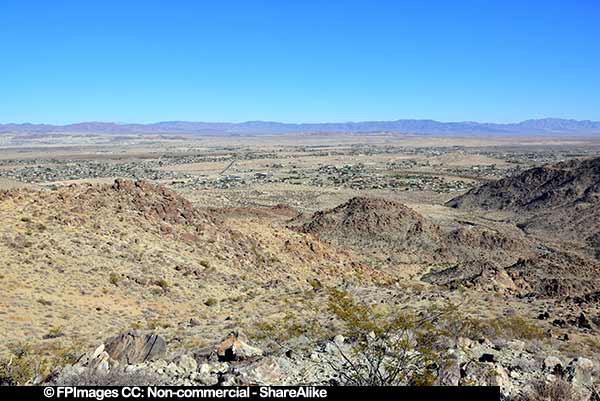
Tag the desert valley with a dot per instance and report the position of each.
(296, 259)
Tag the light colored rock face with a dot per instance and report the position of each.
(553, 364)
(136, 347)
(235, 348)
(580, 372)
(267, 371)
(187, 363)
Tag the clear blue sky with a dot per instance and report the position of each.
(298, 61)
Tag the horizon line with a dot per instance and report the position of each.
(299, 123)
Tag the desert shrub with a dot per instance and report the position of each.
(556, 390)
(20, 367)
(28, 365)
(92, 377)
(399, 348)
(210, 302)
(289, 327)
(315, 284)
(595, 396)
(155, 324)
(114, 279)
(513, 327)
(55, 332)
(162, 283)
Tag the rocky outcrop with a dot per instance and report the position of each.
(511, 365)
(559, 185)
(135, 347)
(235, 348)
(560, 202)
(369, 224)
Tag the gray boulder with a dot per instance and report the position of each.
(135, 347)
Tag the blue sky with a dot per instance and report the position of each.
(298, 61)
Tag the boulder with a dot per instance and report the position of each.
(583, 322)
(235, 348)
(339, 340)
(553, 365)
(98, 360)
(186, 363)
(266, 371)
(135, 347)
(579, 372)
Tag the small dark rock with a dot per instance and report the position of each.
(559, 323)
(487, 358)
(543, 316)
(583, 322)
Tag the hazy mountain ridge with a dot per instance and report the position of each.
(538, 126)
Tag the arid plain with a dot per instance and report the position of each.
(192, 238)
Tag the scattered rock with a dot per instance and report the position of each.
(543, 316)
(339, 339)
(553, 365)
(187, 363)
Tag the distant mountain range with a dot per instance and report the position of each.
(546, 126)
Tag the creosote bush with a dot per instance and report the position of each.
(398, 348)
(27, 365)
(556, 390)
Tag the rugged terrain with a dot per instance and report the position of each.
(558, 202)
(301, 255)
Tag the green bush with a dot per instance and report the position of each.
(210, 302)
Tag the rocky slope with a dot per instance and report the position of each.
(563, 199)
(514, 365)
(84, 259)
(467, 253)
(153, 284)
(376, 225)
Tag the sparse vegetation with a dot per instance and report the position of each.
(162, 283)
(513, 327)
(210, 302)
(555, 390)
(114, 279)
(28, 365)
(55, 332)
(394, 349)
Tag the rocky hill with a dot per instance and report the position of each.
(373, 223)
(86, 259)
(488, 256)
(563, 185)
(562, 198)
(153, 285)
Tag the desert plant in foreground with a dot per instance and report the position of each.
(556, 390)
(393, 349)
(28, 365)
